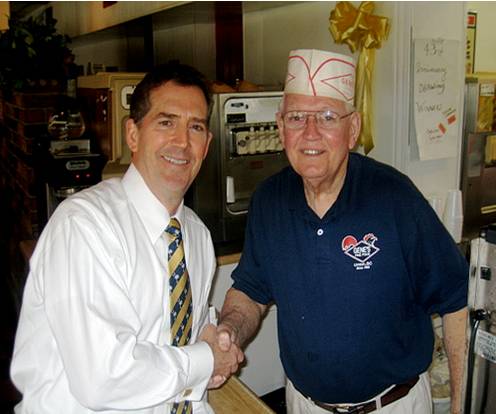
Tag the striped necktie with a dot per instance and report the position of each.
(181, 304)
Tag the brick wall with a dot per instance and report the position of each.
(23, 139)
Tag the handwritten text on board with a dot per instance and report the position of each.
(436, 97)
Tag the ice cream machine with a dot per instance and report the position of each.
(244, 151)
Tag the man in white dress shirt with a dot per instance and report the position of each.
(94, 329)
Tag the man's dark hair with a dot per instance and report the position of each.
(173, 71)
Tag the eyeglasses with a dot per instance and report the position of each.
(324, 119)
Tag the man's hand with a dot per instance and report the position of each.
(226, 336)
(226, 359)
(240, 318)
(216, 381)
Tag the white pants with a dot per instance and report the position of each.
(417, 401)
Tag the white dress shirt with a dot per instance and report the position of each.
(93, 333)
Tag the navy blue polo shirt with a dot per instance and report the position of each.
(355, 289)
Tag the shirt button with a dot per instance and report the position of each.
(320, 232)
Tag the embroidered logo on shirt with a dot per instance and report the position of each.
(360, 251)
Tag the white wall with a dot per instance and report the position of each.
(436, 177)
(485, 46)
(273, 29)
(391, 90)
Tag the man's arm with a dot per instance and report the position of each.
(239, 319)
(454, 332)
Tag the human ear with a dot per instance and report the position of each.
(132, 135)
(355, 127)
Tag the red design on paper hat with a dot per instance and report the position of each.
(320, 73)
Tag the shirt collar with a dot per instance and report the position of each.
(296, 195)
(151, 211)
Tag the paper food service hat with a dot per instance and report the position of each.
(320, 73)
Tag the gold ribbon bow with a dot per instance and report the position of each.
(365, 32)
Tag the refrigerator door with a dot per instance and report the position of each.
(482, 304)
(478, 172)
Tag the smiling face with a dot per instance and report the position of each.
(318, 155)
(171, 141)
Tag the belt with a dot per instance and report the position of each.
(394, 394)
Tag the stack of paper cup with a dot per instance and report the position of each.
(453, 214)
(436, 203)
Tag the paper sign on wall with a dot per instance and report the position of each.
(485, 345)
(436, 97)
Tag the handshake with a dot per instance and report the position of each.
(224, 343)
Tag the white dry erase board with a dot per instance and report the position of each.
(436, 95)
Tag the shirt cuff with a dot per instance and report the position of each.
(201, 367)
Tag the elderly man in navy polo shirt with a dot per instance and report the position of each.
(354, 258)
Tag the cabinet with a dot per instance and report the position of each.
(80, 18)
(206, 35)
(263, 371)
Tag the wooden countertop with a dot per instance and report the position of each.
(228, 259)
(236, 397)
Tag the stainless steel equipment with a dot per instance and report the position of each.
(478, 178)
(244, 151)
(69, 166)
(480, 395)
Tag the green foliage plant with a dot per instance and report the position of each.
(32, 54)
